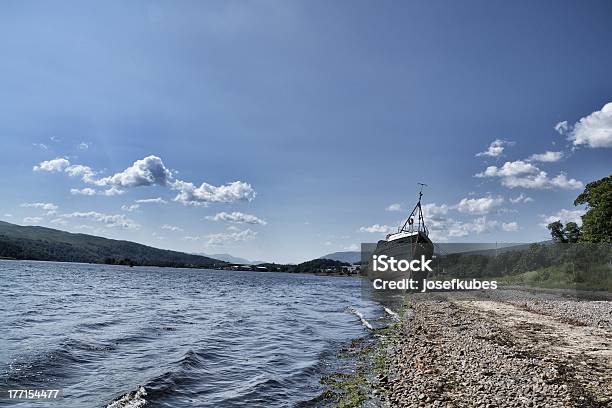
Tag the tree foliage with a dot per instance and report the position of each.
(597, 222)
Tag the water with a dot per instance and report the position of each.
(113, 336)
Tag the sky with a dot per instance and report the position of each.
(286, 130)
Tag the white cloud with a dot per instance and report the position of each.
(328, 243)
(84, 191)
(521, 198)
(149, 171)
(547, 157)
(509, 169)
(32, 220)
(510, 226)
(562, 127)
(523, 174)
(50, 208)
(84, 145)
(113, 191)
(564, 216)
(54, 165)
(40, 146)
(130, 208)
(110, 220)
(394, 207)
(479, 206)
(192, 238)
(206, 193)
(223, 238)
(157, 200)
(59, 221)
(443, 228)
(8, 215)
(594, 130)
(85, 172)
(352, 247)
(377, 229)
(432, 209)
(495, 149)
(171, 228)
(237, 217)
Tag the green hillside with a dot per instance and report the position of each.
(40, 243)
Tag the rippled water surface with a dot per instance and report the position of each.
(113, 336)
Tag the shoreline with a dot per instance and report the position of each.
(510, 349)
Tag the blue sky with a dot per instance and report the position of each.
(321, 114)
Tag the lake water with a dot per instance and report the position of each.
(112, 336)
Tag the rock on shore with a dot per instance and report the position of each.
(502, 352)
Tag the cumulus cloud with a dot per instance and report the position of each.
(113, 191)
(157, 200)
(84, 145)
(54, 165)
(564, 216)
(110, 220)
(594, 130)
(509, 169)
(479, 206)
(523, 174)
(85, 172)
(224, 237)
(188, 194)
(510, 226)
(547, 157)
(495, 149)
(32, 220)
(521, 198)
(50, 208)
(562, 127)
(237, 217)
(394, 207)
(84, 191)
(171, 228)
(149, 171)
(380, 229)
(130, 208)
(433, 209)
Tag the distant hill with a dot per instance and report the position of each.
(233, 259)
(47, 244)
(346, 256)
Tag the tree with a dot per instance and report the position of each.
(597, 222)
(572, 232)
(557, 232)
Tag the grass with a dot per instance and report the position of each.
(564, 277)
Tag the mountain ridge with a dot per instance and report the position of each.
(49, 244)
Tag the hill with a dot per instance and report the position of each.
(48, 244)
(346, 256)
(232, 259)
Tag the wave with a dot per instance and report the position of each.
(391, 313)
(357, 313)
(133, 399)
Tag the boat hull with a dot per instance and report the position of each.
(405, 248)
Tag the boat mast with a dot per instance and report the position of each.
(421, 220)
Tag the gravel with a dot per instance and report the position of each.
(446, 354)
